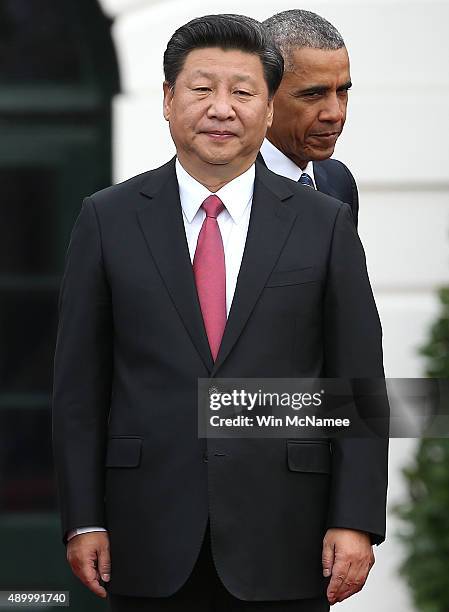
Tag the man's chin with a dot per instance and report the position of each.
(321, 154)
(219, 160)
(226, 157)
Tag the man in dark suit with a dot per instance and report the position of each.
(310, 105)
(213, 267)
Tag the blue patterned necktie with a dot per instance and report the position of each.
(305, 179)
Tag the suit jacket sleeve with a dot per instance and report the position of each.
(353, 350)
(335, 179)
(82, 377)
(354, 202)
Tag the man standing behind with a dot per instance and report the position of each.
(310, 105)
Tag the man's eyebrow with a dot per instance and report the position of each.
(244, 77)
(346, 85)
(313, 89)
(322, 89)
(201, 73)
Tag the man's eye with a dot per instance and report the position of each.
(201, 89)
(241, 92)
(305, 95)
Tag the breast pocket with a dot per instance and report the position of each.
(299, 276)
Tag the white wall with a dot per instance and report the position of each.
(396, 143)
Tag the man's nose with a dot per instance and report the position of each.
(221, 107)
(333, 109)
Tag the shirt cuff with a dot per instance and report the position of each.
(75, 532)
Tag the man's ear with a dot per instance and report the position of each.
(270, 112)
(168, 97)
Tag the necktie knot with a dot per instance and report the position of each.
(213, 206)
(305, 179)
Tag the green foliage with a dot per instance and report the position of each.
(437, 349)
(425, 515)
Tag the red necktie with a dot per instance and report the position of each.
(210, 274)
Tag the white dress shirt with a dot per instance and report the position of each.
(233, 221)
(279, 163)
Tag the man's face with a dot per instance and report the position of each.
(218, 111)
(310, 105)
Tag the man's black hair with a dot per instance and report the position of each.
(226, 32)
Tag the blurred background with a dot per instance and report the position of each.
(81, 107)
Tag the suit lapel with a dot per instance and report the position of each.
(270, 224)
(261, 160)
(162, 224)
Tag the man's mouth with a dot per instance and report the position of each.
(219, 134)
(325, 134)
(325, 139)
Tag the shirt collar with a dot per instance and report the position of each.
(279, 163)
(235, 195)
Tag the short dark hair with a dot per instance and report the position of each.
(297, 28)
(226, 32)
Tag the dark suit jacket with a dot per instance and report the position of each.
(131, 346)
(335, 179)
